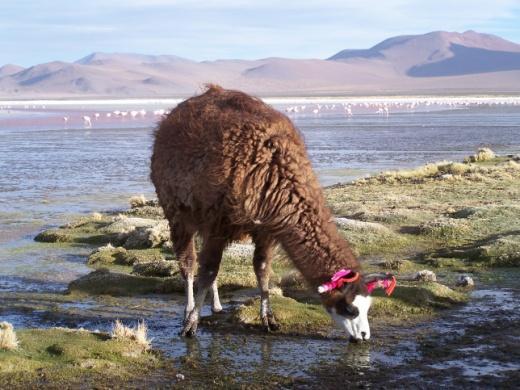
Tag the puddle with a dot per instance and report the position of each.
(473, 368)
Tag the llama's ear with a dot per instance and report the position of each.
(386, 281)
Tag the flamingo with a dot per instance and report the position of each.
(159, 112)
(87, 122)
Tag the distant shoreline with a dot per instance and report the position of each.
(432, 98)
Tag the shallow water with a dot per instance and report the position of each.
(473, 344)
(51, 170)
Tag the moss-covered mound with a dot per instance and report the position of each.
(501, 252)
(108, 255)
(85, 230)
(119, 230)
(105, 282)
(444, 228)
(411, 299)
(62, 358)
(497, 251)
(293, 317)
(161, 268)
(151, 273)
(306, 316)
(461, 214)
(480, 167)
(369, 238)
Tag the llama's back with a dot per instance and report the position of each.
(213, 155)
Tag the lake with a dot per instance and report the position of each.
(54, 164)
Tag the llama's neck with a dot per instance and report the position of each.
(316, 247)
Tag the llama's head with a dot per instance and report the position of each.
(347, 299)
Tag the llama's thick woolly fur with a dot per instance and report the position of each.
(225, 164)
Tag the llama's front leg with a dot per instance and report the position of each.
(209, 262)
(262, 264)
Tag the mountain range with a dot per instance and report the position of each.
(436, 62)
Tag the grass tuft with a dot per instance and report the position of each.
(8, 339)
(137, 201)
(138, 334)
(483, 154)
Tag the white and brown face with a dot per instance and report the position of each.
(349, 307)
(358, 327)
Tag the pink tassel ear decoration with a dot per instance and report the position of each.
(338, 280)
(388, 283)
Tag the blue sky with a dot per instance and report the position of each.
(40, 31)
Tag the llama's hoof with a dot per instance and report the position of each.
(190, 325)
(216, 309)
(187, 332)
(270, 324)
(273, 325)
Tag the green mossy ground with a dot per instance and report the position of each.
(295, 318)
(116, 275)
(106, 282)
(472, 215)
(415, 298)
(447, 217)
(85, 230)
(106, 256)
(305, 316)
(70, 359)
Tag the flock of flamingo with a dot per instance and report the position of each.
(87, 119)
(384, 108)
(339, 106)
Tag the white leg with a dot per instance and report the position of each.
(261, 261)
(192, 318)
(264, 306)
(190, 301)
(209, 262)
(215, 304)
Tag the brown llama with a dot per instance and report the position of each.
(225, 164)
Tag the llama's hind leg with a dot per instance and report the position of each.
(184, 248)
(209, 262)
(262, 263)
(216, 306)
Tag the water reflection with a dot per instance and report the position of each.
(256, 356)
